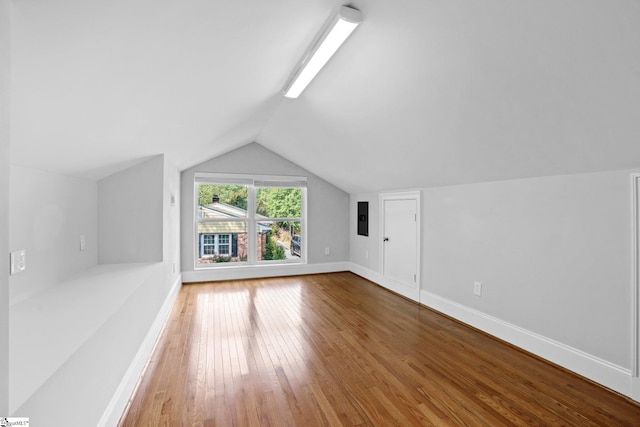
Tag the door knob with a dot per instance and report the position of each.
(386, 239)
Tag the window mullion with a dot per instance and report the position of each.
(251, 229)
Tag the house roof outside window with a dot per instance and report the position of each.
(224, 211)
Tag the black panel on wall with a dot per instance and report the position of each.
(363, 218)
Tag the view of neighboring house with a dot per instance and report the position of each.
(227, 240)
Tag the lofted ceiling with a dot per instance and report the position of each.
(424, 93)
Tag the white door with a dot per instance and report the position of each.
(400, 245)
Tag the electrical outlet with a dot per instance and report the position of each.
(366, 253)
(326, 251)
(477, 288)
(18, 261)
(83, 242)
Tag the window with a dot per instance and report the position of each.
(216, 244)
(246, 219)
(278, 211)
(208, 244)
(223, 246)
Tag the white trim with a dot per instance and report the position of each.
(279, 181)
(222, 178)
(304, 230)
(387, 282)
(635, 285)
(252, 243)
(601, 371)
(261, 270)
(368, 274)
(120, 399)
(249, 179)
(635, 389)
(195, 236)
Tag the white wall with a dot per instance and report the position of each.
(361, 252)
(553, 255)
(92, 309)
(48, 213)
(150, 306)
(4, 207)
(171, 221)
(327, 205)
(130, 206)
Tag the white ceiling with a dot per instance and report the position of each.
(425, 92)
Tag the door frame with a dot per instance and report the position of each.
(404, 195)
(635, 288)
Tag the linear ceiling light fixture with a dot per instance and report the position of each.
(333, 34)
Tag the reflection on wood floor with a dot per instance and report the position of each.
(335, 349)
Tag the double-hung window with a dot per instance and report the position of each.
(249, 219)
(216, 244)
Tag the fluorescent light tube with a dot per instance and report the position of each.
(325, 45)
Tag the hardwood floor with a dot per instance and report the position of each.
(335, 350)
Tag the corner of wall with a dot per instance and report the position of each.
(65, 209)
(130, 214)
(171, 232)
(364, 250)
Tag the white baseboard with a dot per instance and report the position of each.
(120, 399)
(258, 271)
(608, 374)
(598, 370)
(368, 274)
(635, 388)
(395, 287)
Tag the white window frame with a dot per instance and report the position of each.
(216, 244)
(252, 181)
(229, 243)
(208, 245)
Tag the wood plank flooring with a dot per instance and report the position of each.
(334, 350)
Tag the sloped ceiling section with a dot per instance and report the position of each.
(100, 84)
(441, 92)
(424, 93)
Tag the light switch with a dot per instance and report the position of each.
(477, 288)
(18, 261)
(83, 242)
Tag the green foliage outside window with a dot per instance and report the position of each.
(272, 202)
(234, 195)
(276, 202)
(272, 250)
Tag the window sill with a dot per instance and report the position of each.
(243, 265)
(261, 270)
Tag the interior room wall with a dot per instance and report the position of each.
(171, 222)
(130, 207)
(135, 297)
(5, 54)
(48, 214)
(553, 255)
(360, 249)
(327, 205)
